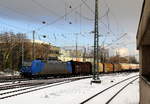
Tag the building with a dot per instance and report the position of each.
(48, 51)
(70, 54)
(143, 44)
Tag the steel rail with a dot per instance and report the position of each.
(83, 102)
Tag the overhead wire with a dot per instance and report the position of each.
(20, 13)
(111, 12)
(63, 15)
(80, 19)
(108, 26)
(94, 12)
(91, 11)
(89, 19)
(54, 20)
(88, 6)
(65, 11)
(107, 13)
(117, 39)
(60, 18)
(10, 25)
(13, 26)
(44, 7)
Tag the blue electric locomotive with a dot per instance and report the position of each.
(46, 68)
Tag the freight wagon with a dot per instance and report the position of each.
(108, 67)
(121, 67)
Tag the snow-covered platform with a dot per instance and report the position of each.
(78, 91)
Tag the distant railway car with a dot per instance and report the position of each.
(117, 67)
(134, 66)
(81, 67)
(100, 68)
(76, 68)
(124, 67)
(108, 67)
(88, 66)
(138, 66)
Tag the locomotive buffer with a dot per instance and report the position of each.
(96, 78)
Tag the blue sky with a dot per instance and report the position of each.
(118, 17)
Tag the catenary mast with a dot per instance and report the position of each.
(96, 46)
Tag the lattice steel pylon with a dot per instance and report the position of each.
(96, 46)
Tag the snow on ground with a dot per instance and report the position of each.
(128, 96)
(77, 91)
(105, 96)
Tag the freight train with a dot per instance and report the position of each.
(59, 68)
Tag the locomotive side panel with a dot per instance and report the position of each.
(54, 68)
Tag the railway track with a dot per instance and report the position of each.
(15, 92)
(4, 79)
(33, 82)
(108, 91)
(120, 91)
(13, 79)
(17, 85)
